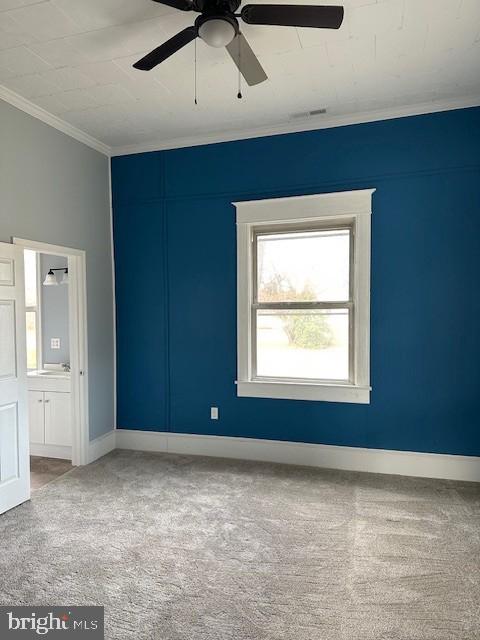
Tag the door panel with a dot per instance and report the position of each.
(14, 445)
(36, 417)
(8, 341)
(58, 419)
(8, 443)
(7, 272)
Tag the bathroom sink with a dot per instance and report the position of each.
(54, 374)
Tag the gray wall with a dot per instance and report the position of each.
(54, 308)
(55, 189)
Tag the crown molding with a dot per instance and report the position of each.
(53, 121)
(310, 124)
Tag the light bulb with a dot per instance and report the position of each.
(217, 32)
(50, 279)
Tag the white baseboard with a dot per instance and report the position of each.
(101, 446)
(406, 463)
(142, 440)
(51, 451)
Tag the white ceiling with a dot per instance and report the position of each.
(74, 58)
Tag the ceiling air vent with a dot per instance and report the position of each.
(303, 115)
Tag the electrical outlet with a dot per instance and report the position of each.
(214, 413)
(54, 343)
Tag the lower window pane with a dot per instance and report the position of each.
(31, 340)
(303, 344)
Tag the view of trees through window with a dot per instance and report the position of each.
(309, 330)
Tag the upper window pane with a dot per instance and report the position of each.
(304, 266)
(30, 261)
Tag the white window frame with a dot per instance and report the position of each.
(37, 310)
(344, 208)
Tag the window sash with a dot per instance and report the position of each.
(305, 305)
(308, 304)
(36, 309)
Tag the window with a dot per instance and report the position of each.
(303, 297)
(32, 293)
(302, 304)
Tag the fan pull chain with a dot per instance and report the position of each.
(239, 94)
(195, 73)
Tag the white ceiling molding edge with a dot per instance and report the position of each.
(311, 124)
(57, 123)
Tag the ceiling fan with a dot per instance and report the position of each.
(218, 26)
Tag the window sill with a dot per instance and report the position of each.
(304, 391)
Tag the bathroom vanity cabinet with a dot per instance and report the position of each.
(50, 418)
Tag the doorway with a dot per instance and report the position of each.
(56, 340)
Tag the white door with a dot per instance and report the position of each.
(14, 446)
(58, 418)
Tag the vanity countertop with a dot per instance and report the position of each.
(43, 373)
(43, 380)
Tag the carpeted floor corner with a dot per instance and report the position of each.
(184, 548)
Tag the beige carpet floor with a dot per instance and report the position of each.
(184, 548)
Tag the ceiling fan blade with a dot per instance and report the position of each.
(183, 5)
(246, 61)
(166, 49)
(290, 15)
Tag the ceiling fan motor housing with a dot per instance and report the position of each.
(218, 7)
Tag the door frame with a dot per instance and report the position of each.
(77, 320)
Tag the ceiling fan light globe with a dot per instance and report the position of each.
(217, 32)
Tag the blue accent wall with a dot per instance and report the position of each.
(175, 256)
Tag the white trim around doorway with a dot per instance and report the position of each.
(77, 300)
